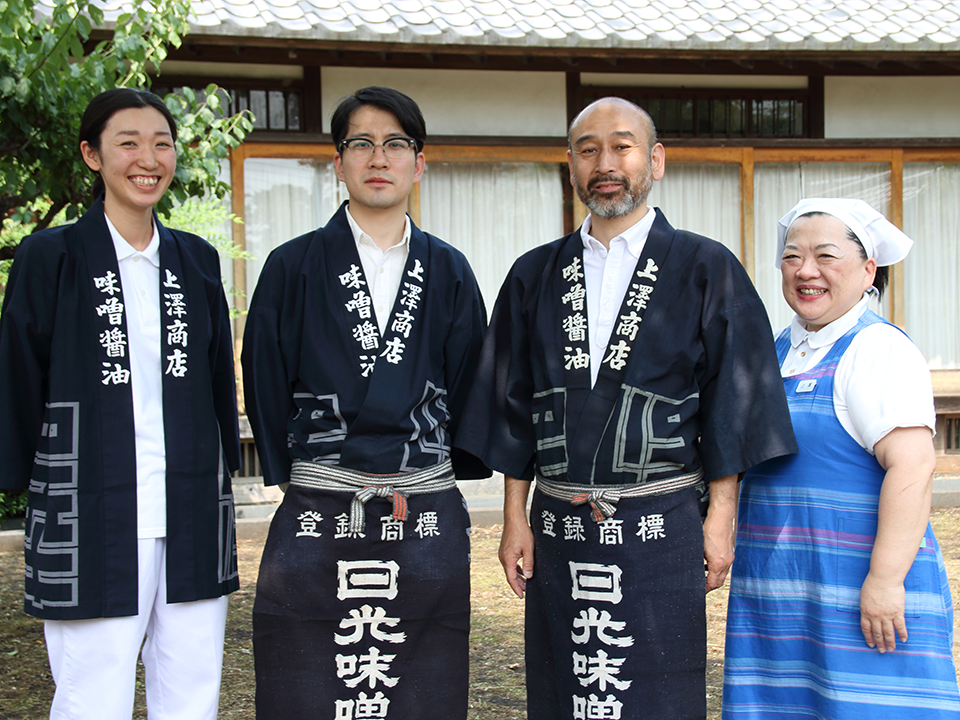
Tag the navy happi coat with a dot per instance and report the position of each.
(694, 384)
(321, 384)
(66, 418)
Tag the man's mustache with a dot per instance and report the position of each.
(608, 178)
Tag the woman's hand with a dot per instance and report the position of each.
(907, 455)
(881, 613)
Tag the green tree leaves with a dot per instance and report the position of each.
(50, 69)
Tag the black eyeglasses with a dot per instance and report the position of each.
(395, 148)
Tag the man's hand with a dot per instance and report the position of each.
(516, 555)
(719, 530)
(516, 542)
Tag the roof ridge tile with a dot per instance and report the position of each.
(889, 25)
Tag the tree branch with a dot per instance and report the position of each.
(67, 29)
(45, 221)
(11, 202)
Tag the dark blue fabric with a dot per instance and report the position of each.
(662, 585)
(70, 437)
(301, 374)
(297, 612)
(701, 389)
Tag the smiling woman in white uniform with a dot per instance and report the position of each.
(118, 412)
(839, 603)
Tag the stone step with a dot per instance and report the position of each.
(946, 491)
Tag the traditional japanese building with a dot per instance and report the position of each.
(758, 102)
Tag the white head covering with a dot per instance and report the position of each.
(883, 241)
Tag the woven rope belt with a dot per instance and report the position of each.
(365, 486)
(604, 498)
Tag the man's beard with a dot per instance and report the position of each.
(631, 195)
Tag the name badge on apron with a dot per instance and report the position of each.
(805, 386)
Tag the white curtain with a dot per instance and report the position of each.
(284, 199)
(704, 199)
(492, 213)
(931, 217)
(779, 186)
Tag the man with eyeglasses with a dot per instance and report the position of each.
(360, 344)
(627, 367)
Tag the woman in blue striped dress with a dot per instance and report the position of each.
(839, 603)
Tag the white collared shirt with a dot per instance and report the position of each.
(383, 270)
(607, 275)
(882, 381)
(140, 280)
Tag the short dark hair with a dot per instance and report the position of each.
(882, 277)
(107, 104)
(401, 106)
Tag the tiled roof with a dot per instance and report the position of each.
(860, 25)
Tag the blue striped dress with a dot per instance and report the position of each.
(806, 529)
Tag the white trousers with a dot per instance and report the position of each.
(94, 662)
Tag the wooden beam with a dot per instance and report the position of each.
(931, 154)
(495, 154)
(261, 50)
(211, 47)
(556, 153)
(814, 143)
(309, 151)
(849, 154)
(703, 154)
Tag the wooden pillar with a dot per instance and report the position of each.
(573, 95)
(896, 295)
(580, 212)
(816, 105)
(312, 103)
(748, 255)
(237, 156)
(413, 204)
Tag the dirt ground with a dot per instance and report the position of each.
(496, 689)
